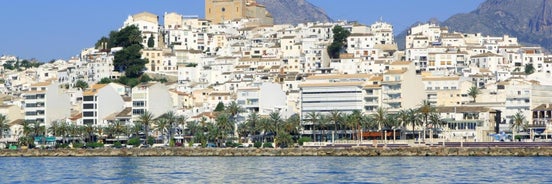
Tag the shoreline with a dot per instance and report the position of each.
(287, 152)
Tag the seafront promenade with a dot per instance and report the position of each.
(311, 151)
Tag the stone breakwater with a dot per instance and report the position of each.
(232, 152)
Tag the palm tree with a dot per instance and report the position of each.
(473, 92)
(118, 128)
(276, 123)
(265, 127)
(380, 117)
(252, 123)
(394, 122)
(324, 124)
(3, 125)
(414, 119)
(426, 110)
(519, 122)
(171, 119)
(225, 125)
(336, 118)
(182, 122)
(354, 122)
(89, 130)
(402, 116)
(435, 122)
(292, 124)
(313, 117)
(162, 125)
(234, 109)
(146, 120)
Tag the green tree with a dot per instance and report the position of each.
(426, 110)
(130, 35)
(3, 125)
(129, 58)
(151, 41)
(105, 80)
(252, 124)
(145, 78)
(224, 126)
(414, 119)
(340, 36)
(529, 69)
(336, 118)
(172, 120)
(102, 43)
(473, 92)
(519, 122)
(146, 119)
(314, 118)
(276, 123)
(220, 107)
(9, 65)
(380, 117)
(81, 84)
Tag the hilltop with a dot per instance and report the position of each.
(294, 11)
(528, 20)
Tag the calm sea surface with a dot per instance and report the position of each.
(276, 170)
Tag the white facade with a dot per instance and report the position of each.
(46, 103)
(151, 97)
(99, 102)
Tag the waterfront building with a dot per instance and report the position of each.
(45, 102)
(467, 123)
(401, 87)
(99, 102)
(153, 97)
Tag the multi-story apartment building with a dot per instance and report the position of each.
(401, 87)
(100, 101)
(446, 90)
(151, 97)
(45, 103)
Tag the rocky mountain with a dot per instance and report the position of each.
(528, 20)
(294, 11)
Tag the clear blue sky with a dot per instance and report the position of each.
(57, 29)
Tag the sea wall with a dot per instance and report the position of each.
(202, 152)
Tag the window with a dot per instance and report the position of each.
(138, 103)
(223, 9)
(88, 98)
(88, 114)
(138, 111)
(88, 106)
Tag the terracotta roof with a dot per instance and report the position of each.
(392, 72)
(543, 107)
(76, 117)
(93, 90)
(487, 54)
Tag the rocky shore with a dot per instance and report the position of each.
(231, 152)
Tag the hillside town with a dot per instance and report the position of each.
(473, 87)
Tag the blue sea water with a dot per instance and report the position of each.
(276, 170)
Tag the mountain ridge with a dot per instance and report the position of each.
(302, 11)
(528, 20)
